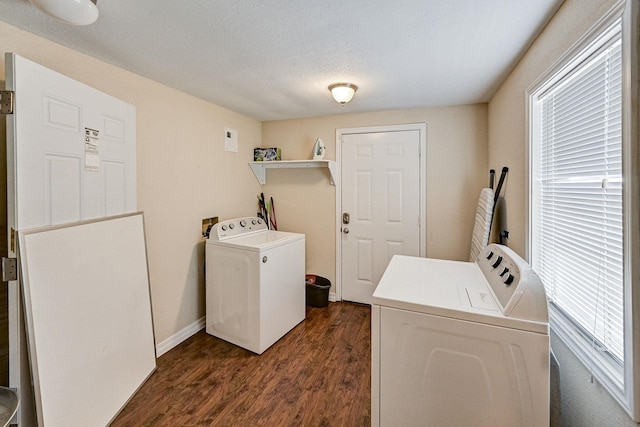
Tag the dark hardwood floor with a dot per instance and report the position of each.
(319, 374)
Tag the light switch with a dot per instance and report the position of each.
(230, 140)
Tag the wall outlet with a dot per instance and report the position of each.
(230, 140)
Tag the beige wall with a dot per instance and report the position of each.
(507, 117)
(456, 171)
(184, 174)
(584, 403)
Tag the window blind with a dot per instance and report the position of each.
(577, 243)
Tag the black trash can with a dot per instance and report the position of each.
(317, 290)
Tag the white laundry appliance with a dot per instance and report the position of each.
(255, 283)
(460, 343)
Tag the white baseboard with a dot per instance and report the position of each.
(179, 336)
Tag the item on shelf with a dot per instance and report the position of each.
(267, 154)
(318, 150)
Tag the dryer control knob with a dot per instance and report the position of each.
(224, 228)
(505, 271)
(231, 226)
(243, 223)
(509, 280)
(254, 222)
(497, 263)
(490, 255)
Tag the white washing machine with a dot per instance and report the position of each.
(460, 343)
(255, 283)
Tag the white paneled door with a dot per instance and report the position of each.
(71, 155)
(380, 188)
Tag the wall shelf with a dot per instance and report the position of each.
(260, 168)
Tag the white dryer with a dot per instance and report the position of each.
(460, 343)
(255, 283)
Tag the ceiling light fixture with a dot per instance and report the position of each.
(75, 12)
(343, 92)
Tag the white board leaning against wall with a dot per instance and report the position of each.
(88, 312)
(71, 156)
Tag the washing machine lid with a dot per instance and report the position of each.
(260, 241)
(445, 288)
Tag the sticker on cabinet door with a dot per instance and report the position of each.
(91, 150)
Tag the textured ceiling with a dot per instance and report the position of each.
(273, 59)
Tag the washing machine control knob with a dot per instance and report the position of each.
(243, 223)
(254, 222)
(505, 271)
(509, 279)
(490, 255)
(224, 228)
(497, 263)
(231, 226)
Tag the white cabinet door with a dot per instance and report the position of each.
(71, 155)
(380, 206)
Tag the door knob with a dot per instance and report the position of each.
(345, 230)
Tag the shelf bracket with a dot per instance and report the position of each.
(260, 172)
(332, 172)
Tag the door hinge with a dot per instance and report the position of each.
(9, 269)
(6, 102)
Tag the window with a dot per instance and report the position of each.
(577, 206)
(579, 229)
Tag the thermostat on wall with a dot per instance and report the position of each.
(230, 140)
